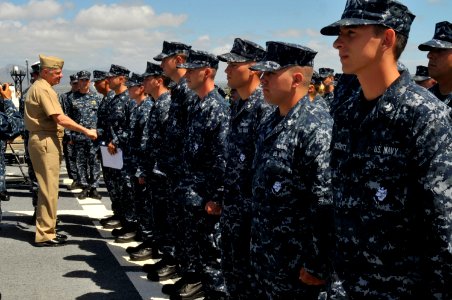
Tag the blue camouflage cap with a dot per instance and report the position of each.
(421, 74)
(83, 75)
(243, 50)
(73, 78)
(325, 72)
(281, 55)
(442, 38)
(99, 75)
(316, 78)
(116, 70)
(135, 80)
(199, 59)
(172, 48)
(153, 70)
(388, 13)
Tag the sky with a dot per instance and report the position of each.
(95, 34)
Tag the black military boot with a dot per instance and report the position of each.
(84, 194)
(93, 193)
(4, 196)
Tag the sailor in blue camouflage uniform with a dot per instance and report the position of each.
(83, 109)
(291, 183)
(422, 78)
(152, 205)
(391, 170)
(440, 61)
(11, 126)
(70, 156)
(313, 91)
(246, 114)
(112, 124)
(169, 160)
(201, 185)
(327, 75)
(102, 87)
(140, 105)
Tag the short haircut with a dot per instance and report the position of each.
(400, 43)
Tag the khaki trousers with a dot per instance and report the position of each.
(45, 150)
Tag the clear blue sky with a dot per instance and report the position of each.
(94, 34)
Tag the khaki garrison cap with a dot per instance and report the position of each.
(51, 62)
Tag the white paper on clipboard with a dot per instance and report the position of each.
(111, 161)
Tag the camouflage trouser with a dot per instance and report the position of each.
(165, 215)
(235, 251)
(70, 159)
(2, 166)
(31, 172)
(142, 210)
(128, 198)
(87, 163)
(201, 247)
(111, 178)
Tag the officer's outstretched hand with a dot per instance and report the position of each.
(309, 279)
(5, 92)
(91, 133)
(213, 208)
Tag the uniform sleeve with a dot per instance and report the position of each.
(118, 129)
(11, 122)
(434, 144)
(320, 223)
(50, 104)
(215, 184)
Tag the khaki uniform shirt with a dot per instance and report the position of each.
(41, 103)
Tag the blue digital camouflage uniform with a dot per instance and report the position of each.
(70, 157)
(157, 206)
(82, 108)
(291, 199)
(204, 165)
(134, 156)
(11, 126)
(169, 160)
(111, 116)
(118, 120)
(236, 215)
(447, 99)
(392, 179)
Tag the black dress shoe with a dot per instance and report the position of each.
(61, 236)
(4, 196)
(126, 237)
(51, 243)
(148, 268)
(93, 193)
(112, 224)
(189, 291)
(132, 249)
(84, 194)
(145, 253)
(119, 231)
(74, 186)
(105, 220)
(164, 273)
(170, 289)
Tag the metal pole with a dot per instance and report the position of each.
(28, 76)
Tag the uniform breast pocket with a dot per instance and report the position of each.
(387, 180)
(279, 183)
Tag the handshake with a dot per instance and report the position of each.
(90, 133)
